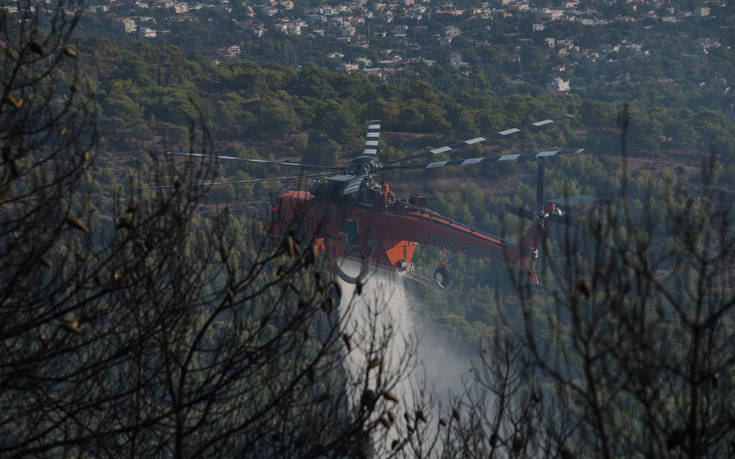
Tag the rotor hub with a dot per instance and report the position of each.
(363, 165)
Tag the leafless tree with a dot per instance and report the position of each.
(144, 330)
(630, 352)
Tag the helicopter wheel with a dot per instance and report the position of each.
(441, 276)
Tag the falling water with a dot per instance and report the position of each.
(389, 314)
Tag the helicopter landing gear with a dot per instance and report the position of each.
(441, 276)
(402, 265)
(364, 265)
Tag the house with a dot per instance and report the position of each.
(348, 67)
(701, 11)
(347, 31)
(128, 25)
(608, 48)
(180, 8)
(558, 85)
(374, 72)
(452, 31)
(552, 14)
(91, 9)
(513, 58)
(565, 43)
(456, 62)
(230, 52)
(146, 32)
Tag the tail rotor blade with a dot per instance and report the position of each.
(544, 254)
(540, 182)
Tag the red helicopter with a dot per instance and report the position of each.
(350, 214)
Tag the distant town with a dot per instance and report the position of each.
(385, 39)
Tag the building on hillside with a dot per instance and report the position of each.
(457, 63)
(558, 85)
(146, 32)
(348, 67)
(452, 31)
(374, 72)
(513, 58)
(364, 62)
(128, 25)
(230, 52)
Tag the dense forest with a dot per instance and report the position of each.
(142, 86)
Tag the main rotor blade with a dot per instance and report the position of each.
(372, 137)
(353, 186)
(269, 179)
(257, 161)
(472, 161)
(494, 135)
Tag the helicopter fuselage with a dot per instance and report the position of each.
(377, 228)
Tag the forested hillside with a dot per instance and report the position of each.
(140, 86)
(271, 111)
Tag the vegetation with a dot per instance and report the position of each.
(143, 89)
(142, 330)
(267, 111)
(141, 321)
(627, 354)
